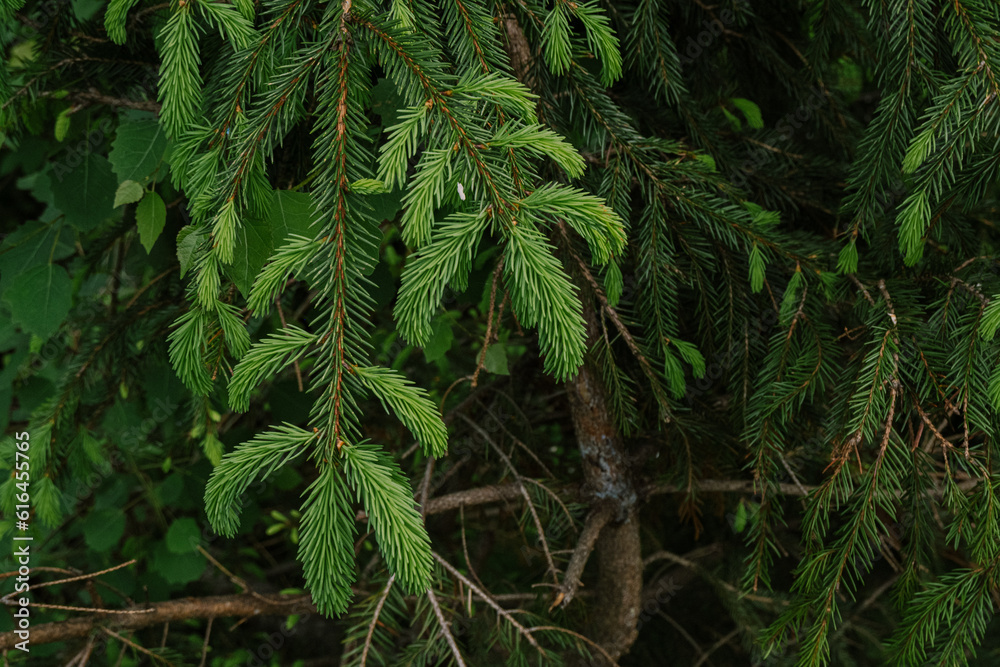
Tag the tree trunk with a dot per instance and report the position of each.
(608, 484)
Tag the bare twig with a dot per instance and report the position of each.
(591, 642)
(497, 493)
(425, 485)
(716, 646)
(140, 649)
(371, 626)
(164, 612)
(527, 450)
(488, 599)
(445, 630)
(83, 656)
(699, 651)
(557, 499)
(284, 325)
(489, 324)
(857, 283)
(204, 646)
(465, 548)
(117, 102)
(524, 492)
(95, 610)
(596, 521)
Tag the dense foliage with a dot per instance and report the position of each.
(393, 312)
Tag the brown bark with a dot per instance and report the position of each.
(164, 612)
(608, 484)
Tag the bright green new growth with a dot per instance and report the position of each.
(835, 340)
(476, 140)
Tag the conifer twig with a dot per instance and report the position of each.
(443, 623)
(241, 605)
(596, 521)
(524, 492)
(371, 626)
(488, 599)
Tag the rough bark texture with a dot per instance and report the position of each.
(608, 483)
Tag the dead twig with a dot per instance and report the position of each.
(371, 626)
(445, 630)
(596, 521)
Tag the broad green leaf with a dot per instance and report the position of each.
(32, 245)
(151, 215)
(253, 248)
(129, 192)
(187, 242)
(740, 520)
(87, 193)
(183, 536)
(103, 529)
(386, 206)
(495, 360)
(85, 9)
(138, 147)
(291, 213)
(40, 299)
(178, 568)
(440, 340)
(734, 122)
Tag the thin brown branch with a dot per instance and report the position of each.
(596, 521)
(716, 646)
(488, 599)
(93, 97)
(591, 642)
(140, 649)
(371, 626)
(445, 630)
(284, 325)
(524, 492)
(485, 495)
(204, 646)
(165, 612)
(481, 363)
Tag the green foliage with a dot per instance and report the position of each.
(388, 499)
(40, 299)
(151, 215)
(768, 228)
